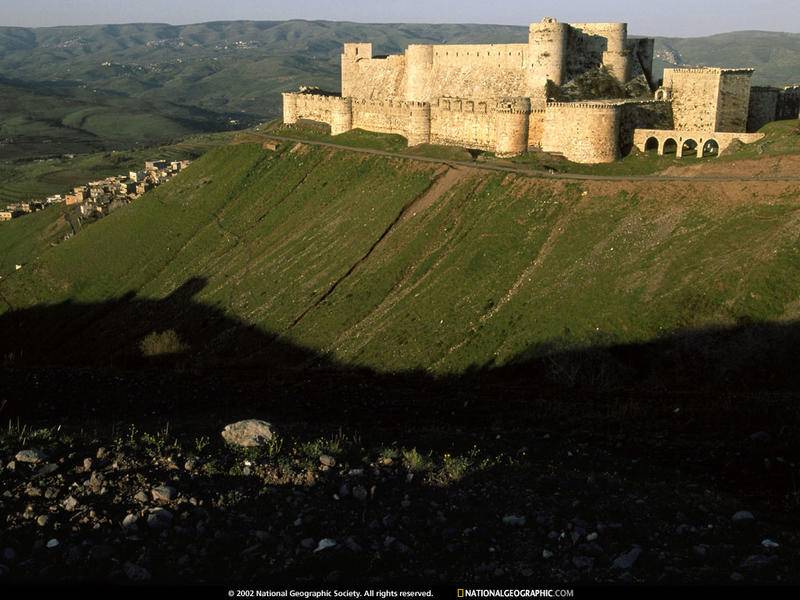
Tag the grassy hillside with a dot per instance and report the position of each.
(64, 89)
(400, 265)
(22, 240)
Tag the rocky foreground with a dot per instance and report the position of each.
(258, 504)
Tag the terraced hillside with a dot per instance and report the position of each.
(396, 264)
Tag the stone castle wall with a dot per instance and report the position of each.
(583, 132)
(763, 107)
(709, 99)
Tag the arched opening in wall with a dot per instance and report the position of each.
(660, 95)
(670, 147)
(651, 146)
(689, 148)
(475, 153)
(711, 148)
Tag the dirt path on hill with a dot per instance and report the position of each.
(722, 172)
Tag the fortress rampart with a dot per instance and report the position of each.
(498, 97)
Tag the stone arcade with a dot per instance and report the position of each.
(500, 97)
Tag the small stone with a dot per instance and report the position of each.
(190, 465)
(737, 577)
(757, 562)
(12, 465)
(70, 503)
(327, 461)
(514, 521)
(249, 433)
(325, 544)
(53, 543)
(30, 456)
(743, 516)
(761, 437)
(136, 573)
(628, 559)
(546, 554)
(164, 493)
(159, 518)
(87, 464)
(360, 493)
(46, 470)
(130, 521)
(141, 497)
(101, 453)
(43, 520)
(592, 537)
(770, 544)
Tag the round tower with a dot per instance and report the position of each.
(617, 57)
(341, 115)
(512, 119)
(419, 64)
(419, 124)
(547, 51)
(289, 108)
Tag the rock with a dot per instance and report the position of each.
(592, 537)
(159, 518)
(70, 503)
(628, 559)
(43, 520)
(770, 544)
(130, 521)
(360, 493)
(249, 433)
(53, 543)
(757, 562)
(325, 544)
(737, 577)
(101, 453)
(30, 456)
(141, 497)
(743, 516)
(190, 465)
(95, 483)
(514, 521)
(136, 573)
(761, 437)
(327, 461)
(87, 464)
(164, 493)
(46, 470)
(546, 554)
(12, 465)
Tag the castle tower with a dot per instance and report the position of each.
(419, 65)
(341, 116)
(547, 51)
(350, 57)
(617, 57)
(419, 124)
(290, 115)
(512, 118)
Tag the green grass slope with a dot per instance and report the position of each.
(23, 240)
(396, 264)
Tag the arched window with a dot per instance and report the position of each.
(711, 148)
(670, 146)
(651, 145)
(690, 148)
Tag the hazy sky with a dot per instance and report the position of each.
(671, 17)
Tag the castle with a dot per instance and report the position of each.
(506, 98)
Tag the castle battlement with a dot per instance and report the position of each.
(494, 97)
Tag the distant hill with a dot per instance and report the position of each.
(101, 87)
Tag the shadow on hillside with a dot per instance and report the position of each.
(205, 358)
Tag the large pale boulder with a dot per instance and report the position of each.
(249, 433)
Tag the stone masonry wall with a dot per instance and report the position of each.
(461, 122)
(734, 100)
(583, 132)
(763, 107)
(695, 96)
